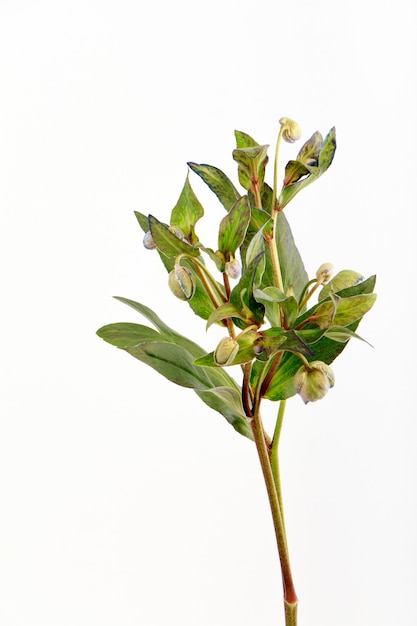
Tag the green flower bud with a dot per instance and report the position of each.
(176, 230)
(226, 351)
(148, 241)
(233, 268)
(314, 381)
(291, 131)
(181, 282)
(324, 273)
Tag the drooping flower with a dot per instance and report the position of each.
(181, 282)
(312, 382)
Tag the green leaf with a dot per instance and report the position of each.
(251, 165)
(243, 140)
(218, 182)
(255, 248)
(187, 212)
(127, 335)
(270, 297)
(168, 333)
(167, 242)
(313, 161)
(143, 221)
(310, 151)
(223, 312)
(343, 334)
(292, 267)
(242, 294)
(277, 339)
(233, 227)
(228, 402)
(342, 280)
(173, 362)
(328, 150)
(294, 171)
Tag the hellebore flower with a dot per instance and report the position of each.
(291, 131)
(312, 382)
(148, 241)
(181, 282)
(226, 351)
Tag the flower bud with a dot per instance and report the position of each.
(291, 131)
(226, 351)
(324, 273)
(181, 282)
(314, 381)
(148, 241)
(176, 230)
(233, 268)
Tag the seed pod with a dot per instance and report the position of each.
(226, 351)
(181, 282)
(148, 241)
(314, 381)
(291, 131)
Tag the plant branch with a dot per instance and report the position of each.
(290, 597)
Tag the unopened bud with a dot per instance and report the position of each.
(291, 131)
(181, 282)
(314, 381)
(233, 268)
(176, 230)
(148, 241)
(226, 351)
(324, 273)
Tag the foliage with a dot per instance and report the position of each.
(265, 315)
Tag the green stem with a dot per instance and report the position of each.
(275, 187)
(290, 597)
(275, 456)
(271, 241)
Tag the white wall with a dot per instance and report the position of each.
(123, 499)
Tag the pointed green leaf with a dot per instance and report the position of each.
(223, 312)
(167, 242)
(315, 164)
(187, 212)
(126, 335)
(294, 171)
(143, 221)
(166, 332)
(270, 297)
(343, 334)
(354, 308)
(310, 151)
(228, 402)
(342, 280)
(218, 182)
(243, 140)
(292, 267)
(328, 150)
(251, 165)
(173, 362)
(233, 227)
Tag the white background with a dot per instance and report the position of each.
(124, 500)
